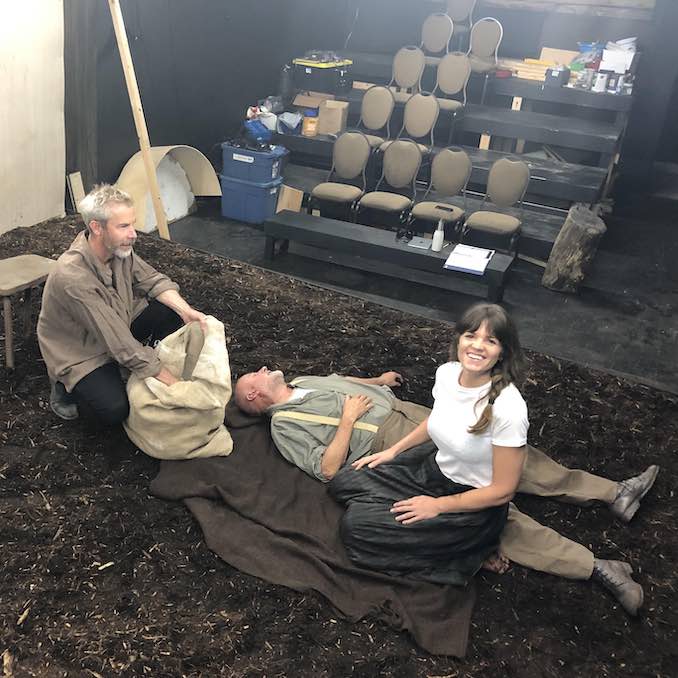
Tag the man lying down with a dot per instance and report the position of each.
(323, 425)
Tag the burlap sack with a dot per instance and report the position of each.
(185, 420)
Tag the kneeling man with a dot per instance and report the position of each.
(96, 317)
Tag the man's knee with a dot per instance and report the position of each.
(114, 412)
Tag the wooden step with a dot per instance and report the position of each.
(568, 132)
(536, 91)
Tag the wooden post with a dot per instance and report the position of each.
(574, 249)
(139, 120)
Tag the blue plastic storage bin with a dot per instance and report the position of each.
(249, 201)
(259, 166)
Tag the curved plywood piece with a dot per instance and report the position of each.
(199, 171)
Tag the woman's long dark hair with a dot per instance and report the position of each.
(508, 368)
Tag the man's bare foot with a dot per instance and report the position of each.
(497, 563)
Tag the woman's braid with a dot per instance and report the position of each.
(498, 383)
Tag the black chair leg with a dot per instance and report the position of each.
(482, 96)
(450, 135)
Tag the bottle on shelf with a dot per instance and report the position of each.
(438, 237)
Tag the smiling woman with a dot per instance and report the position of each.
(456, 502)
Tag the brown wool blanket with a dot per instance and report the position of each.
(267, 518)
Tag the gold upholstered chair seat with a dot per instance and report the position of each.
(336, 192)
(451, 105)
(493, 222)
(435, 211)
(422, 147)
(374, 140)
(383, 200)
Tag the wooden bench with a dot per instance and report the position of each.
(374, 244)
(540, 227)
(20, 274)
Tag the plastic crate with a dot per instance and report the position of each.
(247, 200)
(247, 165)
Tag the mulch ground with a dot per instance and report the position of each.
(99, 578)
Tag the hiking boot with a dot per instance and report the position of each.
(615, 576)
(62, 402)
(631, 491)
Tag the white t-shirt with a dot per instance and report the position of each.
(466, 457)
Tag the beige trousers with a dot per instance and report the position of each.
(524, 540)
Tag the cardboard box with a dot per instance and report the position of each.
(311, 99)
(289, 199)
(332, 116)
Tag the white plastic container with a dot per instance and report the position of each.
(438, 237)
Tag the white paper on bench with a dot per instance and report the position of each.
(469, 259)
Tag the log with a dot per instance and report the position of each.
(574, 249)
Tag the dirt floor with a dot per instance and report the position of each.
(99, 578)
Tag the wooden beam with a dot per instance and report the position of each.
(139, 120)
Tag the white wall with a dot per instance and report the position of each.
(32, 140)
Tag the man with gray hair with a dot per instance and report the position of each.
(103, 309)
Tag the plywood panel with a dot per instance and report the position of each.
(32, 157)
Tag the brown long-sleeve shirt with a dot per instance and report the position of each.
(87, 311)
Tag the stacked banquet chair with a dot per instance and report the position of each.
(390, 203)
(506, 185)
(436, 33)
(453, 73)
(408, 67)
(486, 36)
(461, 13)
(419, 120)
(450, 173)
(338, 196)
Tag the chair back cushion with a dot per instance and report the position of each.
(460, 10)
(450, 171)
(402, 160)
(350, 154)
(507, 182)
(377, 107)
(454, 71)
(421, 114)
(436, 33)
(486, 35)
(408, 65)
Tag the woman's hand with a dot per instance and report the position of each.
(355, 407)
(414, 509)
(390, 379)
(373, 460)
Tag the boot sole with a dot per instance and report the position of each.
(64, 417)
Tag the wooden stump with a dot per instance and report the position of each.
(574, 249)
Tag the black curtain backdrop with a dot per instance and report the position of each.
(199, 64)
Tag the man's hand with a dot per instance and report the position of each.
(190, 315)
(376, 459)
(355, 407)
(166, 377)
(390, 379)
(414, 509)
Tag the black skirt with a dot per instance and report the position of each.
(447, 549)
